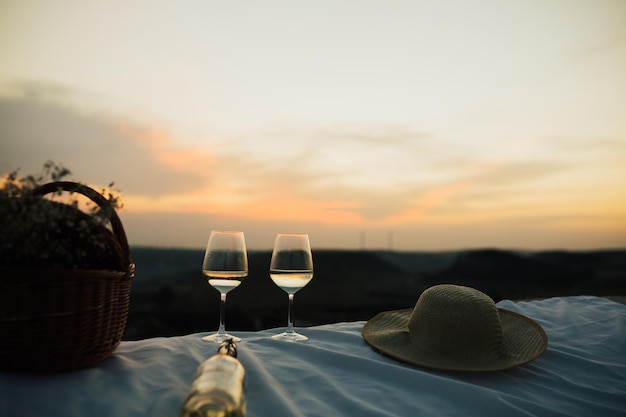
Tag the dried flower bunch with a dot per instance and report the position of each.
(55, 230)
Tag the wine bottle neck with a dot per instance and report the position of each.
(228, 347)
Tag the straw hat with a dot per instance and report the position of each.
(456, 328)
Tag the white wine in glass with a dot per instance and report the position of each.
(225, 266)
(291, 268)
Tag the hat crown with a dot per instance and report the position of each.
(457, 321)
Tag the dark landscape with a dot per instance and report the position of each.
(171, 297)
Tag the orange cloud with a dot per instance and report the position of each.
(426, 203)
(274, 205)
(162, 146)
(478, 172)
(294, 209)
(223, 196)
(234, 193)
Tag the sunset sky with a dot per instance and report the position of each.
(411, 125)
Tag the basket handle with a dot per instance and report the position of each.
(101, 201)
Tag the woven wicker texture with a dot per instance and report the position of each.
(58, 319)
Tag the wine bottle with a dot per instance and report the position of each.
(217, 389)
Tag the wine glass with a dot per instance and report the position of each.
(291, 268)
(225, 266)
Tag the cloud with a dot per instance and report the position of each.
(36, 126)
(381, 136)
(374, 171)
(346, 178)
(591, 147)
(150, 165)
(364, 176)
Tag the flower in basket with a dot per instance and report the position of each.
(65, 273)
(44, 227)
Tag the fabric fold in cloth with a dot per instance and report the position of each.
(582, 373)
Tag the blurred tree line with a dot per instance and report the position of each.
(170, 296)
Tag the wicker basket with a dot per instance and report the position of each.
(59, 319)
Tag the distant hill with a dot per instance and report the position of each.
(419, 262)
(170, 296)
(509, 274)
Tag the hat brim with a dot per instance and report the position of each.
(523, 341)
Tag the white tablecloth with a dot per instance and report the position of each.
(335, 373)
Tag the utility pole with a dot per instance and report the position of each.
(390, 240)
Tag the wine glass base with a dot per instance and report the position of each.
(220, 337)
(290, 337)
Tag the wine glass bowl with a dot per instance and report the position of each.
(225, 265)
(291, 268)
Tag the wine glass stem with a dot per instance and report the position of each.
(289, 319)
(222, 328)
